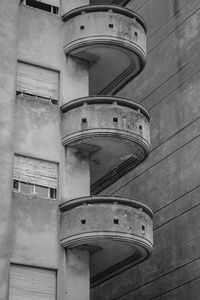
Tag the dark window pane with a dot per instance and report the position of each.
(39, 5)
(16, 185)
(55, 10)
(53, 193)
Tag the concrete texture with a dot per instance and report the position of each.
(37, 129)
(8, 56)
(169, 180)
(41, 33)
(87, 221)
(67, 5)
(77, 275)
(103, 36)
(35, 231)
(117, 234)
(76, 179)
(111, 129)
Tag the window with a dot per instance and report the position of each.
(37, 82)
(28, 283)
(28, 188)
(16, 185)
(34, 176)
(43, 191)
(51, 6)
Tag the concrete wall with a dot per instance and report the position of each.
(67, 5)
(35, 231)
(41, 42)
(37, 132)
(169, 180)
(8, 55)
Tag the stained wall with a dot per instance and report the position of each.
(169, 180)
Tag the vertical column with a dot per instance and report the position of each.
(76, 179)
(74, 264)
(8, 59)
(77, 275)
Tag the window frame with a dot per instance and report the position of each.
(50, 190)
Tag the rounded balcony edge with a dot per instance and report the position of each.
(102, 7)
(70, 204)
(82, 135)
(104, 99)
(84, 238)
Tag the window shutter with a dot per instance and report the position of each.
(37, 81)
(51, 2)
(28, 283)
(35, 171)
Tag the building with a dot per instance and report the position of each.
(75, 98)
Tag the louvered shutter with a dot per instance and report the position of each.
(51, 2)
(28, 283)
(37, 81)
(36, 171)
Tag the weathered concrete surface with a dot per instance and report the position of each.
(169, 180)
(119, 234)
(106, 116)
(67, 5)
(112, 132)
(8, 55)
(86, 221)
(77, 275)
(175, 260)
(37, 130)
(41, 33)
(102, 38)
(76, 178)
(35, 231)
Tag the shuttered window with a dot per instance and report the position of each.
(37, 81)
(28, 283)
(35, 171)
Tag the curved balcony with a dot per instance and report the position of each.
(114, 2)
(111, 39)
(115, 130)
(116, 231)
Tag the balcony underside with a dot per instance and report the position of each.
(105, 75)
(116, 231)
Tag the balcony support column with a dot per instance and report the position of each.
(76, 174)
(77, 275)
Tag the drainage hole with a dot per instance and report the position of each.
(84, 120)
(83, 221)
(116, 221)
(136, 34)
(143, 227)
(115, 119)
(82, 27)
(111, 25)
(140, 127)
